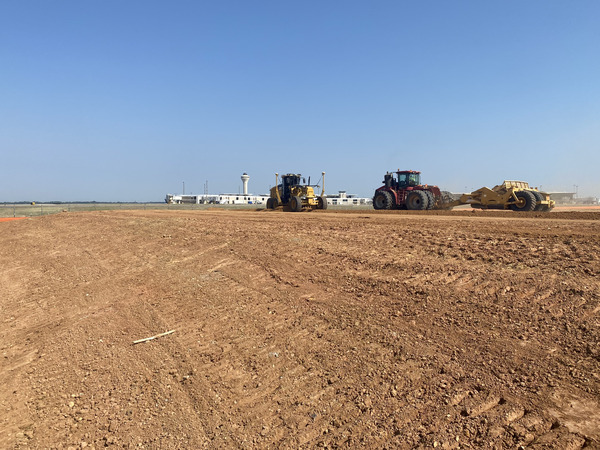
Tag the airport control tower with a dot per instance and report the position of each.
(245, 179)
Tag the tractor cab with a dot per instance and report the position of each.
(403, 179)
(408, 178)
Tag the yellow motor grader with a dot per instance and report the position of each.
(295, 196)
(515, 195)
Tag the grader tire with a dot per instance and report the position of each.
(417, 200)
(270, 203)
(322, 202)
(526, 201)
(296, 204)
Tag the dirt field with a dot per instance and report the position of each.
(450, 330)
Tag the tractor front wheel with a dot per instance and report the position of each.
(383, 200)
(417, 200)
(296, 204)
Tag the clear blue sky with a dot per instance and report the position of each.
(125, 100)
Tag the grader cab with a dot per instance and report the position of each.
(295, 194)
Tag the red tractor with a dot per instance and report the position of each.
(405, 191)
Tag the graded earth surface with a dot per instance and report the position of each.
(300, 330)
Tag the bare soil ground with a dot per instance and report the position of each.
(452, 330)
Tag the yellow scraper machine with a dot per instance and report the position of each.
(515, 195)
(295, 194)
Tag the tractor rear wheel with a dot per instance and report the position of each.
(296, 204)
(525, 201)
(430, 199)
(417, 200)
(383, 200)
(322, 202)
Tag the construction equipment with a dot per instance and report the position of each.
(515, 195)
(295, 196)
(405, 191)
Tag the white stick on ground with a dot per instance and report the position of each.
(153, 337)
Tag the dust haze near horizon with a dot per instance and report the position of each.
(126, 101)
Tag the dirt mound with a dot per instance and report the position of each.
(300, 330)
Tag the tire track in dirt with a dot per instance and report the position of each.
(466, 280)
(307, 330)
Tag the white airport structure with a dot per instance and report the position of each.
(220, 199)
(245, 179)
(344, 199)
(217, 199)
(339, 199)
